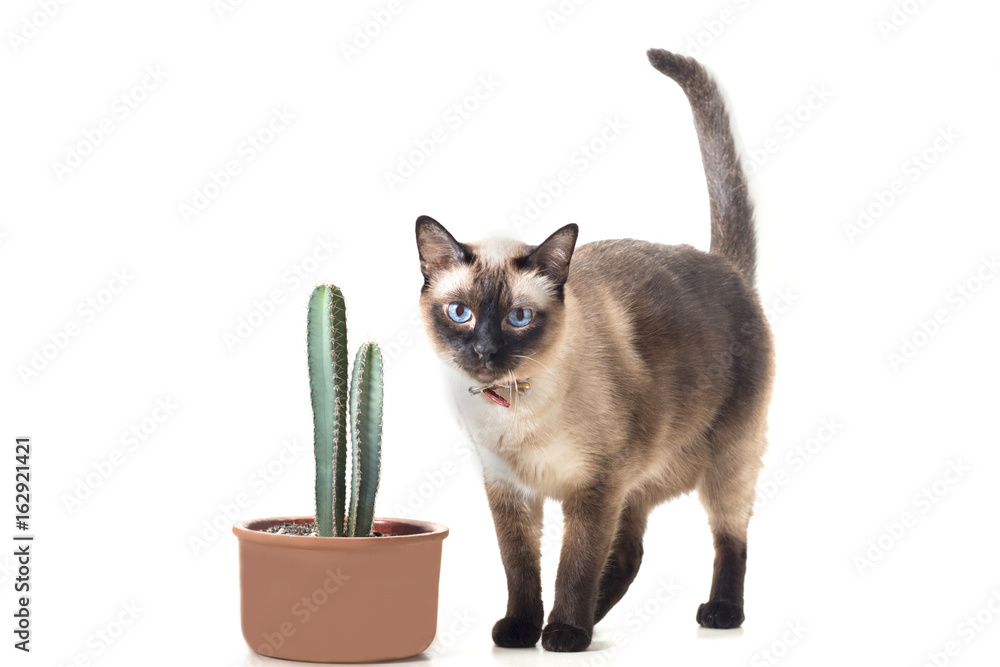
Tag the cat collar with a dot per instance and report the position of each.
(523, 389)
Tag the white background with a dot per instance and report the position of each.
(841, 303)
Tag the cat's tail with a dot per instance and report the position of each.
(733, 233)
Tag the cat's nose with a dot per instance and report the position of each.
(485, 349)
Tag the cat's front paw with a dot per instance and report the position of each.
(514, 632)
(565, 638)
(720, 614)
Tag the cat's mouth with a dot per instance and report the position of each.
(494, 392)
(488, 373)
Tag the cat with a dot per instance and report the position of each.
(611, 377)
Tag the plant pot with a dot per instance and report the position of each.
(340, 599)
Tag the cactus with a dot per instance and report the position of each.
(327, 348)
(366, 433)
(327, 351)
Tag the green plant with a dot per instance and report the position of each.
(328, 382)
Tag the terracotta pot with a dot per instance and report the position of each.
(340, 599)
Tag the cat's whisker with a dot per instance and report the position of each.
(531, 359)
(512, 400)
(514, 395)
(525, 356)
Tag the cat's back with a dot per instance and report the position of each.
(664, 299)
(672, 321)
(641, 272)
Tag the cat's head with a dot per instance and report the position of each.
(495, 308)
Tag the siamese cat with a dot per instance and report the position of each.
(612, 377)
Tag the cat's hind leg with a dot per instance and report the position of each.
(727, 492)
(724, 609)
(623, 562)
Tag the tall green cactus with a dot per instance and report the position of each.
(327, 351)
(327, 347)
(366, 433)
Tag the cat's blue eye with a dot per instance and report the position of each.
(519, 317)
(458, 312)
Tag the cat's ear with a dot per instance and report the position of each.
(438, 249)
(552, 257)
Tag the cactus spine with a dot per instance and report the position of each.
(328, 380)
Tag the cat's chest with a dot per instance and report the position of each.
(527, 445)
(551, 468)
(525, 452)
